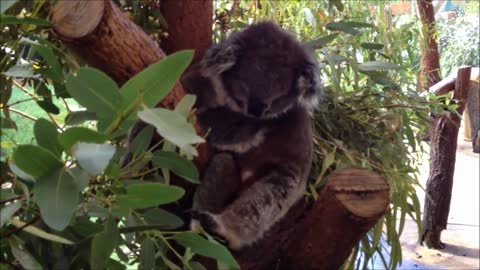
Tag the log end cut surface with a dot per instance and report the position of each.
(363, 193)
(76, 19)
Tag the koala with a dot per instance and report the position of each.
(256, 91)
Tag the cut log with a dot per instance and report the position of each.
(108, 40)
(444, 86)
(442, 165)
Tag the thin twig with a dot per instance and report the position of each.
(23, 114)
(6, 235)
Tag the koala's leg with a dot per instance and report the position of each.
(256, 210)
(219, 186)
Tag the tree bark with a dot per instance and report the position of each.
(108, 40)
(430, 65)
(189, 25)
(351, 202)
(442, 165)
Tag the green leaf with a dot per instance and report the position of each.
(149, 194)
(23, 256)
(54, 71)
(95, 91)
(80, 134)
(6, 4)
(160, 217)
(206, 248)
(147, 254)
(372, 46)
(154, 82)
(103, 244)
(377, 65)
(57, 196)
(179, 165)
(9, 19)
(18, 172)
(184, 107)
(81, 178)
(40, 233)
(142, 141)
(8, 211)
(46, 135)
(48, 106)
(343, 27)
(79, 117)
(173, 127)
(35, 160)
(94, 158)
(321, 42)
(22, 71)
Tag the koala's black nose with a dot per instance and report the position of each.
(256, 107)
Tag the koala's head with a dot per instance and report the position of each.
(262, 72)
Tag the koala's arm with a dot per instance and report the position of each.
(220, 183)
(256, 210)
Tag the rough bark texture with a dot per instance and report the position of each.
(352, 201)
(442, 165)
(430, 65)
(108, 40)
(189, 25)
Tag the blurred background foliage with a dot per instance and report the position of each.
(371, 116)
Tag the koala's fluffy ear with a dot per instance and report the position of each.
(219, 58)
(308, 83)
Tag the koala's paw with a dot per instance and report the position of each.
(213, 225)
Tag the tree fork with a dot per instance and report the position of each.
(442, 165)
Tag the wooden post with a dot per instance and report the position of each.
(442, 165)
(473, 110)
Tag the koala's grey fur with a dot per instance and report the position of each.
(255, 92)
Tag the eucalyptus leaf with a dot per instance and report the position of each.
(23, 256)
(377, 65)
(142, 141)
(57, 196)
(206, 248)
(18, 172)
(94, 158)
(149, 194)
(9, 19)
(35, 160)
(321, 42)
(103, 244)
(179, 165)
(40, 233)
(80, 134)
(46, 135)
(95, 91)
(343, 27)
(154, 82)
(8, 211)
(173, 127)
(160, 217)
(81, 178)
(79, 117)
(48, 106)
(147, 254)
(185, 105)
(20, 71)
(6, 4)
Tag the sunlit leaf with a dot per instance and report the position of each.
(173, 127)
(9, 19)
(94, 158)
(377, 65)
